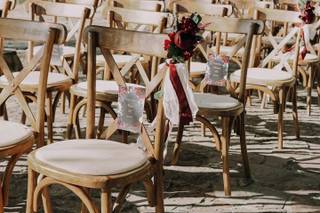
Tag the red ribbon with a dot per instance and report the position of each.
(184, 108)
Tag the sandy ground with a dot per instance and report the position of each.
(284, 181)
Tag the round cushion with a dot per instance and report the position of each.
(104, 86)
(13, 133)
(212, 101)
(226, 50)
(120, 60)
(92, 156)
(32, 79)
(307, 59)
(262, 76)
(67, 51)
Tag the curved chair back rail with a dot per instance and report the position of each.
(119, 17)
(30, 30)
(129, 41)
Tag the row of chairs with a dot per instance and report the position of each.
(59, 167)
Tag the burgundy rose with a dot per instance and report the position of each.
(184, 40)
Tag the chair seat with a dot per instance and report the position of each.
(105, 90)
(262, 76)
(226, 50)
(120, 60)
(309, 58)
(92, 156)
(212, 101)
(13, 133)
(67, 51)
(32, 80)
(198, 68)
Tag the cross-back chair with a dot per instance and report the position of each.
(276, 72)
(309, 65)
(18, 139)
(223, 106)
(66, 65)
(5, 7)
(119, 17)
(105, 164)
(186, 7)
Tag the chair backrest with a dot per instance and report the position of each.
(83, 13)
(47, 33)
(249, 28)
(192, 6)
(289, 36)
(91, 3)
(148, 5)
(121, 17)
(129, 41)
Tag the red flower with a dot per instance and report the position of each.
(167, 44)
(171, 36)
(184, 40)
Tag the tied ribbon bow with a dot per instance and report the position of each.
(184, 108)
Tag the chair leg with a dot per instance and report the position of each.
(295, 111)
(106, 201)
(7, 176)
(121, 198)
(149, 186)
(177, 145)
(280, 118)
(31, 188)
(225, 139)
(47, 206)
(318, 84)
(309, 91)
(73, 100)
(158, 182)
(243, 145)
(101, 122)
(49, 118)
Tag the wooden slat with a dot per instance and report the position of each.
(60, 9)
(130, 41)
(29, 30)
(231, 25)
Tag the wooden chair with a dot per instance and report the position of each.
(119, 17)
(18, 139)
(105, 163)
(67, 70)
(275, 81)
(226, 107)
(186, 7)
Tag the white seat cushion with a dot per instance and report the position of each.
(308, 58)
(32, 79)
(104, 86)
(120, 60)
(198, 68)
(92, 157)
(12, 133)
(212, 101)
(262, 76)
(66, 50)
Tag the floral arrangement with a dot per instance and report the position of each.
(183, 41)
(307, 15)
